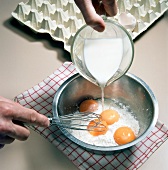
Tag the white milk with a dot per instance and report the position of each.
(103, 57)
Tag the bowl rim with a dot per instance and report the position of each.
(107, 148)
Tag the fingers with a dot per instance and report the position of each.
(12, 116)
(30, 116)
(110, 7)
(15, 111)
(12, 131)
(4, 139)
(91, 8)
(89, 13)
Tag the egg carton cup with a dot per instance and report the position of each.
(62, 18)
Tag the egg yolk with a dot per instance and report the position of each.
(124, 135)
(110, 116)
(97, 127)
(88, 106)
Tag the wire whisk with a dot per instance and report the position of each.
(78, 121)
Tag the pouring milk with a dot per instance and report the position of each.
(102, 58)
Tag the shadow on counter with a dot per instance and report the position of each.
(32, 36)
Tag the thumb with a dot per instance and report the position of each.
(91, 17)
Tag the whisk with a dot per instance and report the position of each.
(78, 121)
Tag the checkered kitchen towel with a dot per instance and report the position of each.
(40, 98)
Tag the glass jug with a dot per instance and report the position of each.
(113, 31)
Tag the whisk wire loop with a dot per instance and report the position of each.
(78, 121)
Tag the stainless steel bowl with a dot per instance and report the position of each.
(129, 90)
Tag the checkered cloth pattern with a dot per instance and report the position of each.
(40, 98)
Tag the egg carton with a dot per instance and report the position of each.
(62, 18)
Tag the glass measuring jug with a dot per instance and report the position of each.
(102, 57)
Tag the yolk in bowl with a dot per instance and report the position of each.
(110, 116)
(124, 135)
(88, 106)
(97, 129)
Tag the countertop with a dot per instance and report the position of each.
(26, 58)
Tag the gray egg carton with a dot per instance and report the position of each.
(62, 18)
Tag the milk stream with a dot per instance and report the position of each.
(102, 58)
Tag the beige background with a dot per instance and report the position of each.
(27, 58)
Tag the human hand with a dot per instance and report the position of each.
(12, 116)
(91, 10)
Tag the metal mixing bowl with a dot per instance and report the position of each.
(129, 90)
